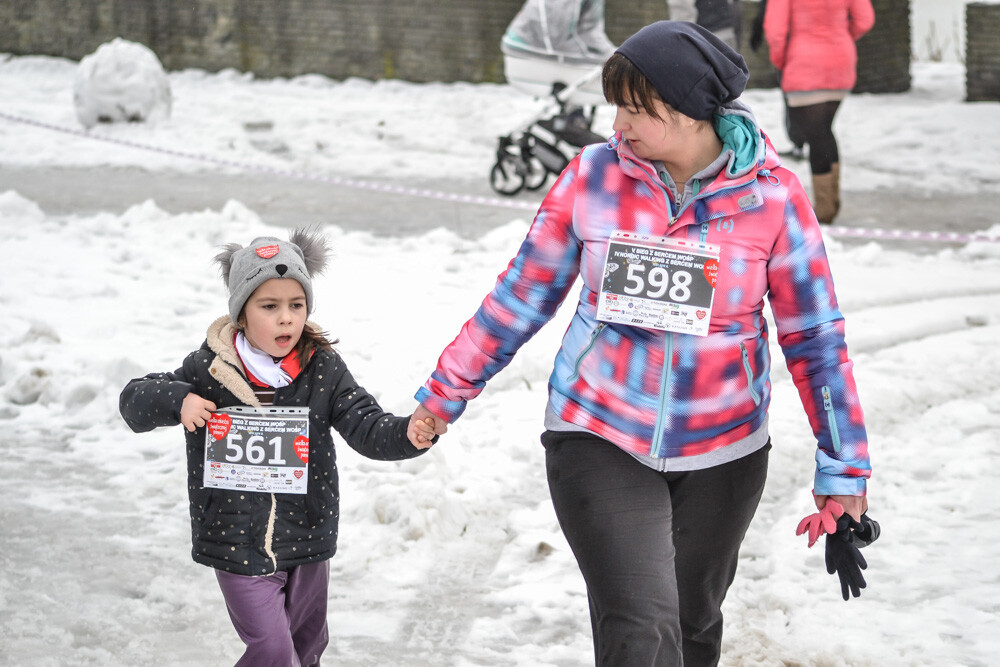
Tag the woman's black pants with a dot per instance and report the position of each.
(658, 550)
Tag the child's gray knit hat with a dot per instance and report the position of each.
(244, 269)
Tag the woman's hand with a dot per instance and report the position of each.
(195, 411)
(853, 505)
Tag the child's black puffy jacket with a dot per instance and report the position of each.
(260, 533)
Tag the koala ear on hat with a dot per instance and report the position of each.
(225, 260)
(315, 249)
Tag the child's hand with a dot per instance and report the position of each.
(423, 426)
(195, 411)
(420, 432)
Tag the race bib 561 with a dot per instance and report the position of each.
(262, 450)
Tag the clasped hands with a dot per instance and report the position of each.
(424, 426)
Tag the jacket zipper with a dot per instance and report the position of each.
(831, 417)
(656, 450)
(749, 372)
(699, 196)
(586, 350)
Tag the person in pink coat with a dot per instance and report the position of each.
(812, 44)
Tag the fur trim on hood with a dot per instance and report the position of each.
(227, 367)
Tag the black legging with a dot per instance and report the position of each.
(657, 550)
(814, 124)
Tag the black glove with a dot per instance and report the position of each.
(867, 533)
(843, 554)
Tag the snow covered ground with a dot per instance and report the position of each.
(455, 558)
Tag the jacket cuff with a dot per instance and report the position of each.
(830, 485)
(442, 407)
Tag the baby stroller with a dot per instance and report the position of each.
(555, 49)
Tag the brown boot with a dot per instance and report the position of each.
(826, 194)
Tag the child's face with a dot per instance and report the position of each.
(275, 315)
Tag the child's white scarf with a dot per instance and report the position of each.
(261, 365)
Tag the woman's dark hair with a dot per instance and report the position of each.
(625, 86)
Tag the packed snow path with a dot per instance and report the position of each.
(455, 558)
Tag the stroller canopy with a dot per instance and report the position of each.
(560, 29)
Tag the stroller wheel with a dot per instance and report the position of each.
(537, 174)
(506, 177)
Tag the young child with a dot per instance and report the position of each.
(262, 481)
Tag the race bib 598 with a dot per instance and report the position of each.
(659, 283)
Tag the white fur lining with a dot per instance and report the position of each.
(226, 367)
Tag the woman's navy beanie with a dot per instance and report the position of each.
(694, 71)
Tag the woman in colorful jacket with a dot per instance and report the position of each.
(812, 44)
(657, 426)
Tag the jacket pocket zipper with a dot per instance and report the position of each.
(657, 448)
(831, 417)
(586, 350)
(749, 371)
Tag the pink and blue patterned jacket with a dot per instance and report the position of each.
(665, 394)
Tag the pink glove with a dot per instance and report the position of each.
(824, 521)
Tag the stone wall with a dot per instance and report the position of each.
(884, 53)
(417, 40)
(982, 52)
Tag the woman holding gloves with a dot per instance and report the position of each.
(656, 428)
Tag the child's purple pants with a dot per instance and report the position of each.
(280, 617)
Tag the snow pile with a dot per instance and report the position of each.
(121, 81)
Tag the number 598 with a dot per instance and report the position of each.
(657, 283)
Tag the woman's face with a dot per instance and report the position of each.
(274, 316)
(666, 138)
